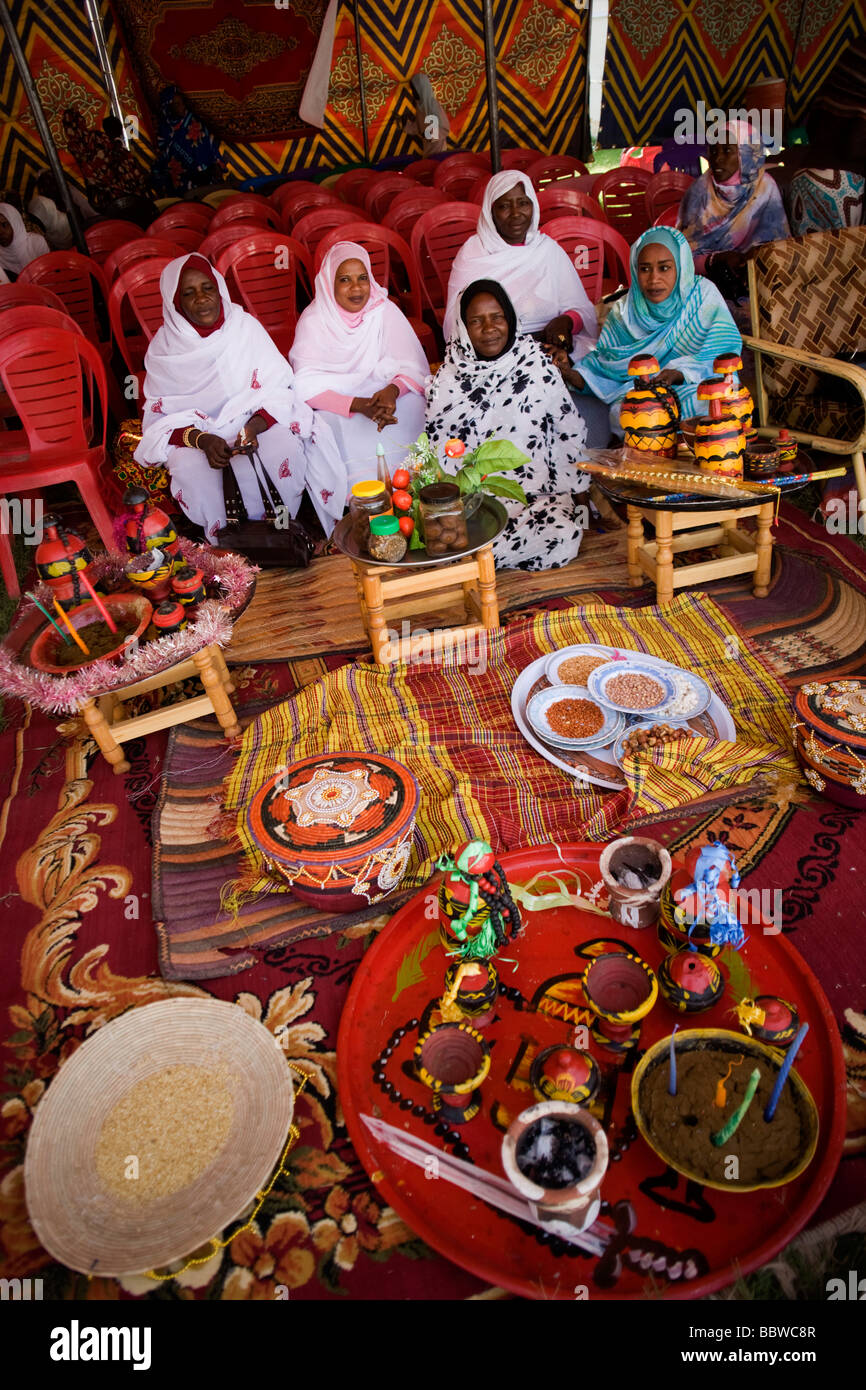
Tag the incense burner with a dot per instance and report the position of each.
(635, 871)
(556, 1157)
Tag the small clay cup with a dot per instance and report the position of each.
(620, 989)
(576, 1206)
(452, 1059)
(634, 907)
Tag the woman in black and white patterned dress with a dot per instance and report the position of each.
(496, 383)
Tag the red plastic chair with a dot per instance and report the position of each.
(558, 201)
(622, 194)
(436, 238)
(393, 265)
(304, 200)
(310, 228)
(136, 293)
(11, 296)
(186, 238)
(350, 186)
(459, 173)
(547, 168)
(668, 217)
(277, 195)
(422, 171)
(268, 293)
(104, 237)
(72, 277)
(44, 372)
(257, 210)
(599, 253)
(194, 217)
(405, 210)
(216, 242)
(381, 192)
(664, 191)
(140, 250)
(520, 159)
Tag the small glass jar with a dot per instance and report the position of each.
(387, 541)
(367, 499)
(443, 519)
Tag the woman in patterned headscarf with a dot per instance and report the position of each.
(734, 206)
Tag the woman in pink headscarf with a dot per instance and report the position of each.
(359, 364)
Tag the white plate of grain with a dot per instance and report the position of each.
(155, 1135)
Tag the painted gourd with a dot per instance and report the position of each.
(649, 414)
(61, 557)
(739, 401)
(720, 445)
(149, 527)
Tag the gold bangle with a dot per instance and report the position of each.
(186, 436)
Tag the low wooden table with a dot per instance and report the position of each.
(108, 722)
(676, 530)
(413, 586)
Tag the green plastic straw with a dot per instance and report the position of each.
(34, 599)
(722, 1135)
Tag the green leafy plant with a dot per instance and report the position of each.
(493, 456)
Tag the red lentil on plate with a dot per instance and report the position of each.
(575, 718)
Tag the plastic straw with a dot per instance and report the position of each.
(722, 1135)
(672, 1079)
(98, 601)
(34, 599)
(73, 634)
(783, 1074)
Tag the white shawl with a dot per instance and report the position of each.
(24, 247)
(335, 350)
(538, 276)
(216, 382)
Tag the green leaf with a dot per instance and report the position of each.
(498, 455)
(506, 487)
(469, 478)
(409, 971)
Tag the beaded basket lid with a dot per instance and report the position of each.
(836, 711)
(334, 808)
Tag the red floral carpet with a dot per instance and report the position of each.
(81, 949)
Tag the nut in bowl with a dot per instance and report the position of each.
(572, 665)
(644, 737)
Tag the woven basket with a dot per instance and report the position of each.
(88, 1227)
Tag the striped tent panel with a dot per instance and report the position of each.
(663, 56)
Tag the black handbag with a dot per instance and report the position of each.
(277, 541)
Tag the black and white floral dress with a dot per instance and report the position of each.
(519, 396)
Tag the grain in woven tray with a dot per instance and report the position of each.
(174, 1122)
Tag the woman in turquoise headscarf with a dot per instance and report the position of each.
(671, 313)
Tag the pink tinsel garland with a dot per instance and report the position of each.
(212, 623)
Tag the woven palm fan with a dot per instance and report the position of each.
(155, 1135)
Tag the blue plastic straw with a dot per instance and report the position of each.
(783, 1074)
(672, 1079)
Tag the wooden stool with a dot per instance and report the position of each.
(110, 726)
(741, 553)
(474, 579)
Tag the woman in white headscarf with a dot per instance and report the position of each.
(429, 122)
(543, 285)
(359, 364)
(214, 381)
(498, 383)
(18, 247)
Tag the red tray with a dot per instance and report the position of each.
(648, 1209)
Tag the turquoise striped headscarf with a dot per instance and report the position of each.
(685, 332)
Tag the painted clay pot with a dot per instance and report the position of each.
(337, 827)
(620, 988)
(150, 572)
(830, 734)
(188, 586)
(577, 1145)
(675, 920)
(453, 1059)
(149, 527)
(690, 981)
(762, 459)
(634, 855)
(650, 412)
(169, 616)
(566, 1075)
(60, 558)
(475, 998)
(454, 894)
(121, 606)
(781, 1021)
(720, 444)
(738, 401)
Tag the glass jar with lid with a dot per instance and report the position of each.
(443, 519)
(387, 542)
(367, 499)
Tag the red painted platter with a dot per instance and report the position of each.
(658, 1233)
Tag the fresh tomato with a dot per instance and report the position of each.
(454, 448)
(401, 479)
(402, 501)
(407, 526)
